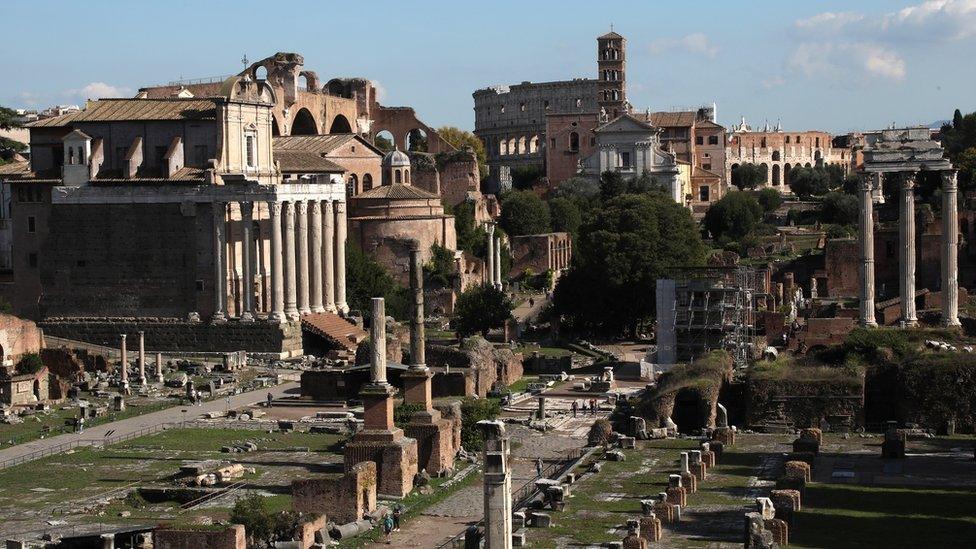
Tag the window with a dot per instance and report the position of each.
(579, 102)
(200, 156)
(713, 140)
(574, 141)
(522, 107)
(625, 160)
(503, 109)
(249, 150)
(200, 285)
(703, 193)
(706, 167)
(398, 177)
(593, 142)
(545, 104)
(699, 140)
(818, 142)
(31, 224)
(32, 260)
(552, 142)
(787, 139)
(160, 156)
(706, 155)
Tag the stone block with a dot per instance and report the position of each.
(518, 520)
(699, 471)
(657, 433)
(395, 456)
(797, 470)
(634, 541)
(628, 442)
(808, 441)
(518, 538)
(678, 496)
(725, 435)
(690, 482)
(787, 502)
(755, 535)
(779, 529)
(616, 455)
(541, 520)
(341, 498)
(764, 506)
(650, 528)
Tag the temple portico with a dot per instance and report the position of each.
(900, 156)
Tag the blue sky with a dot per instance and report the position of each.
(830, 65)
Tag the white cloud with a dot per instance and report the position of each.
(696, 43)
(98, 90)
(849, 61)
(773, 82)
(830, 21)
(933, 20)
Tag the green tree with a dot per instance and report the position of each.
(366, 279)
(810, 182)
(30, 363)
(565, 215)
(839, 208)
(579, 190)
(383, 143)
(525, 177)
(8, 120)
(481, 309)
(735, 215)
(620, 253)
(464, 225)
(769, 199)
(439, 271)
(263, 525)
(749, 176)
(460, 139)
(523, 212)
(474, 410)
(612, 184)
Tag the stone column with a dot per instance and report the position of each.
(277, 265)
(159, 367)
(328, 255)
(142, 357)
(125, 365)
(877, 188)
(220, 275)
(377, 333)
(247, 258)
(867, 250)
(301, 213)
(950, 250)
(498, 263)
(340, 257)
(497, 487)
(315, 211)
(291, 281)
(906, 259)
(490, 258)
(418, 359)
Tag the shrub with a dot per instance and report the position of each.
(30, 363)
(600, 433)
(403, 413)
(733, 217)
(474, 410)
(769, 199)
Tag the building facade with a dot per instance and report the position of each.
(781, 151)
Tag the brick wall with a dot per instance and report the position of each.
(231, 538)
(17, 337)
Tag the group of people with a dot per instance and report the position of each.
(591, 403)
(391, 522)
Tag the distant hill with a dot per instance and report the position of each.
(939, 123)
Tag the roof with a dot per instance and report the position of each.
(319, 143)
(334, 328)
(397, 192)
(395, 159)
(111, 110)
(708, 124)
(641, 123)
(306, 162)
(698, 171)
(611, 34)
(208, 89)
(15, 168)
(677, 119)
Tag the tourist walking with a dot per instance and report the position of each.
(388, 528)
(270, 398)
(575, 407)
(397, 510)
(538, 467)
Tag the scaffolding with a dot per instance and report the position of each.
(715, 308)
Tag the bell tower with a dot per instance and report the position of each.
(611, 68)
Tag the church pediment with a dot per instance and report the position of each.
(625, 123)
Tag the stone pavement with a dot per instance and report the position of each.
(525, 313)
(137, 423)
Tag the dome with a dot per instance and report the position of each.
(396, 159)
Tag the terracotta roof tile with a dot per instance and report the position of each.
(334, 328)
(110, 110)
(398, 192)
(305, 162)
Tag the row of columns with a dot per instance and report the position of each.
(560, 253)
(308, 259)
(124, 353)
(493, 263)
(906, 254)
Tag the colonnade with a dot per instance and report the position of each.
(308, 258)
(560, 253)
(868, 190)
(493, 263)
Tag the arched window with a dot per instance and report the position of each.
(367, 181)
(574, 141)
(397, 176)
(775, 156)
(776, 174)
(352, 185)
(406, 177)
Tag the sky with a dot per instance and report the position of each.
(827, 65)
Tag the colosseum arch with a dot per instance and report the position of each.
(304, 123)
(340, 124)
(776, 157)
(384, 140)
(776, 180)
(417, 140)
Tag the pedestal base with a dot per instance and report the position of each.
(394, 454)
(435, 441)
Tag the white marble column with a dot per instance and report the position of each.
(291, 280)
(277, 265)
(340, 257)
(377, 332)
(125, 365)
(490, 257)
(906, 259)
(498, 263)
(159, 368)
(247, 258)
(877, 190)
(950, 250)
(220, 275)
(867, 250)
(315, 211)
(301, 230)
(142, 357)
(328, 255)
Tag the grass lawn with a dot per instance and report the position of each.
(523, 383)
(846, 515)
(51, 423)
(552, 352)
(602, 503)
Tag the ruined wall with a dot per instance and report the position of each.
(127, 260)
(341, 498)
(176, 335)
(479, 362)
(374, 236)
(17, 338)
(804, 401)
(460, 176)
(173, 538)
